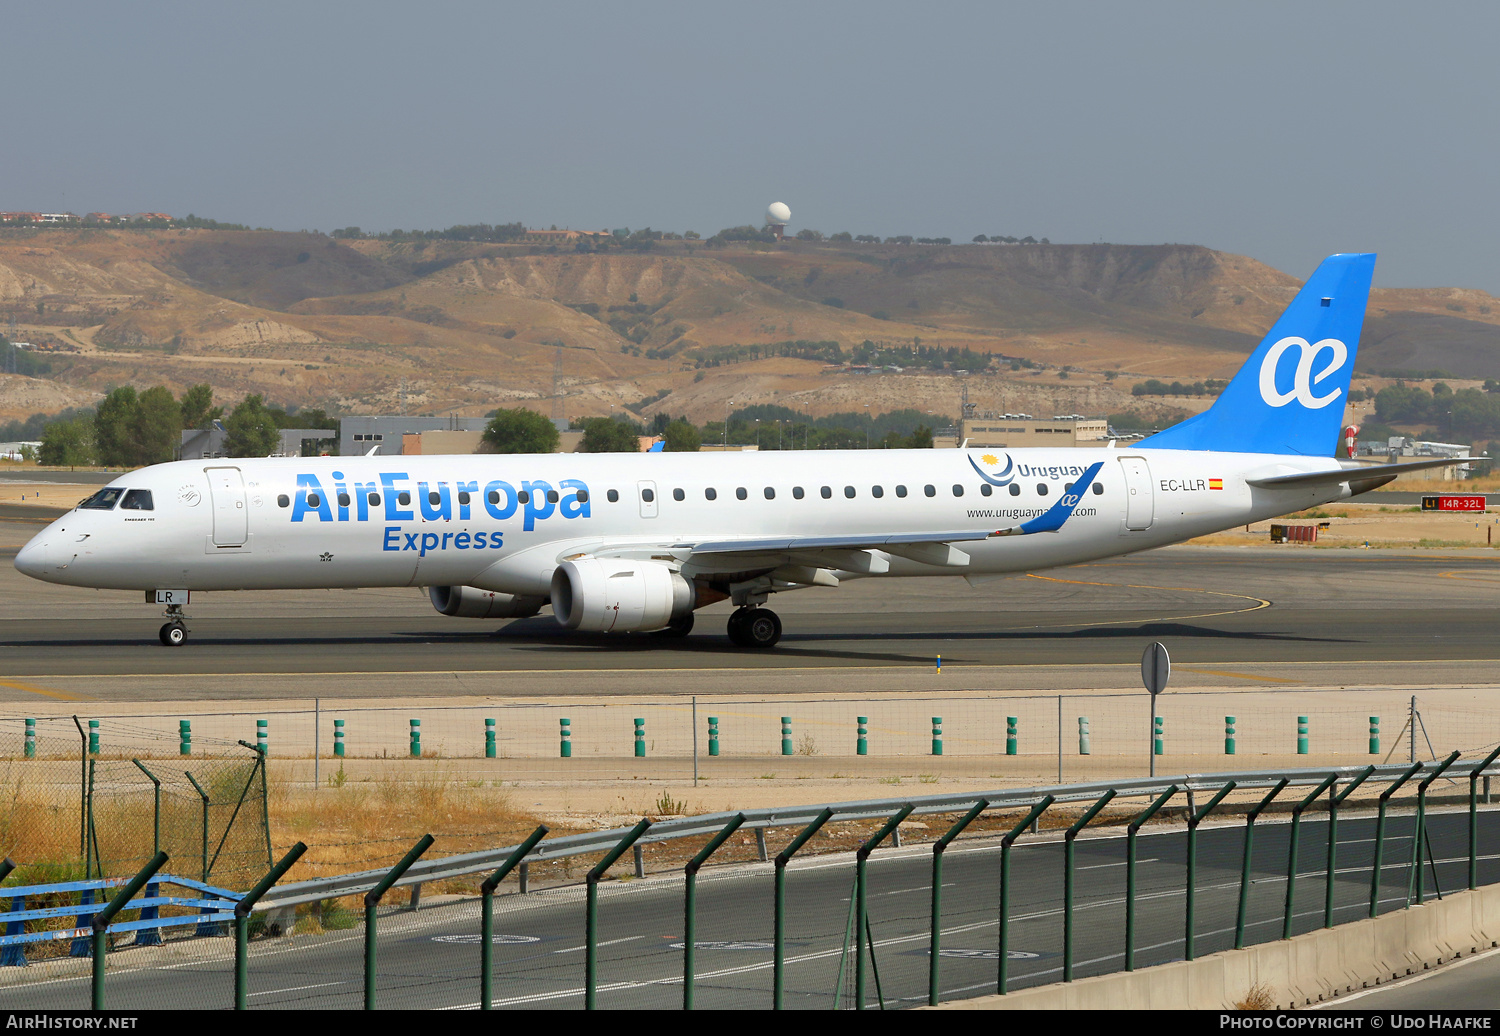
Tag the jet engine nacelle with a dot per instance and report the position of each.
(603, 595)
(470, 603)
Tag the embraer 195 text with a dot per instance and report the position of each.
(635, 542)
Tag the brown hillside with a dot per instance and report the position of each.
(311, 321)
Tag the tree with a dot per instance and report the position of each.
(69, 443)
(115, 425)
(198, 410)
(158, 424)
(251, 429)
(920, 439)
(681, 437)
(520, 431)
(603, 435)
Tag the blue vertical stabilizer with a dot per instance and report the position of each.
(1289, 397)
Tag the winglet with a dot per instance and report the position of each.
(1058, 513)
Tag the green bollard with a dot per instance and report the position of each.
(1301, 735)
(786, 735)
(31, 739)
(1229, 735)
(713, 735)
(184, 737)
(1085, 743)
(640, 738)
(937, 735)
(1374, 735)
(338, 738)
(416, 738)
(93, 737)
(861, 741)
(566, 734)
(1158, 738)
(262, 737)
(489, 739)
(1010, 735)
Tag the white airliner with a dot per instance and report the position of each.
(636, 542)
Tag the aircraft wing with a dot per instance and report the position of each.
(1364, 472)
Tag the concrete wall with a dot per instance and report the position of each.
(1297, 972)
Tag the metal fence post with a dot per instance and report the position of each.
(102, 919)
(242, 922)
(203, 867)
(372, 902)
(784, 857)
(155, 805)
(1250, 817)
(487, 917)
(1131, 830)
(1335, 798)
(939, 847)
(1291, 854)
(1194, 819)
(1421, 832)
(690, 904)
(1380, 836)
(861, 921)
(1474, 817)
(1068, 840)
(591, 933)
(1003, 970)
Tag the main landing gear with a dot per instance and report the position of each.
(754, 628)
(173, 632)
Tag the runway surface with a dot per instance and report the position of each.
(430, 959)
(1289, 615)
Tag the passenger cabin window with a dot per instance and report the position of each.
(314, 500)
(1015, 490)
(929, 490)
(434, 499)
(493, 497)
(678, 494)
(901, 491)
(740, 494)
(613, 496)
(552, 496)
(827, 492)
(343, 499)
(986, 489)
(463, 497)
(104, 500)
(137, 500)
(849, 492)
(770, 493)
(375, 499)
(403, 498)
(877, 491)
(1041, 489)
(582, 496)
(1098, 489)
(797, 493)
(710, 493)
(648, 495)
(958, 490)
(522, 496)
(283, 501)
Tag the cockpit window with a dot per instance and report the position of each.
(136, 500)
(104, 500)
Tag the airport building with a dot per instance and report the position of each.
(1017, 431)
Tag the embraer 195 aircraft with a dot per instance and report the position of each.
(635, 542)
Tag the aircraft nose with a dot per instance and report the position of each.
(33, 559)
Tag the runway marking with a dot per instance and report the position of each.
(611, 942)
(30, 689)
(1259, 603)
(298, 989)
(1241, 676)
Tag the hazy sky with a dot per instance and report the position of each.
(1284, 131)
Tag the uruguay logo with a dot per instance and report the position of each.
(1004, 478)
(1303, 380)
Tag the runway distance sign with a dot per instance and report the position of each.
(1455, 502)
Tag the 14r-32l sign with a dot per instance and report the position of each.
(1455, 502)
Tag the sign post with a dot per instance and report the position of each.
(1156, 670)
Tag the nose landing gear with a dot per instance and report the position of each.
(754, 628)
(173, 632)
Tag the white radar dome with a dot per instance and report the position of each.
(778, 213)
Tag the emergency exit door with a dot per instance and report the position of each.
(231, 517)
(1140, 504)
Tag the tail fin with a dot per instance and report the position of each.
(1289, 396)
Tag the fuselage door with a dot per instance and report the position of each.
(231, 517)
(648, 498)
(1139, 502)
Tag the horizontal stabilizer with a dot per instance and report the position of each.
(1359, 473)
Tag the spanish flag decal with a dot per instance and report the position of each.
(1216, 483)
